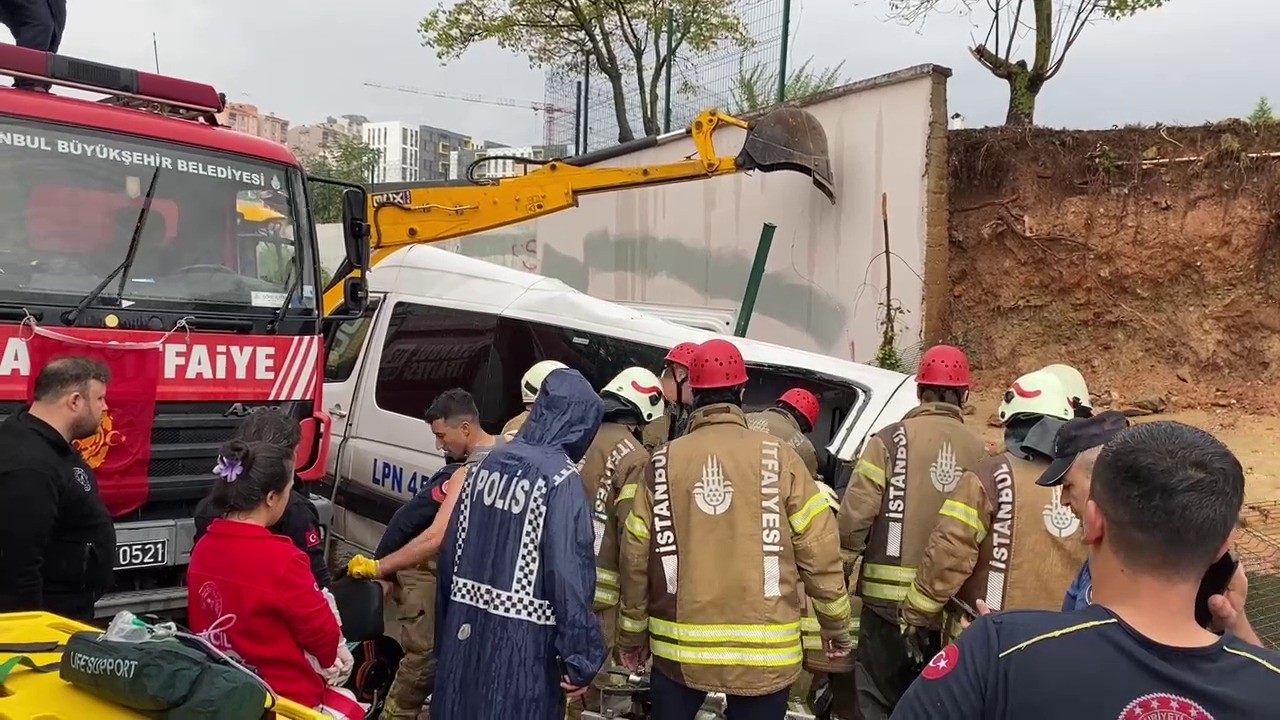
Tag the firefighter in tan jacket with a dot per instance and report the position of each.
(831, 692)
(725, 535)
(530, 384)
(791, 419)
(898, 487)
(1007, 541)
(675, 390)
(612, 469)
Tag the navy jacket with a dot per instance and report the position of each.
(517, 572)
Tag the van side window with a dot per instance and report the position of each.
(428, 350)
(343, 340)
(522, 343)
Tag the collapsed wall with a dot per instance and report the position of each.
(1147, 257)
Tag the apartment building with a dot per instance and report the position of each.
(399, 145)
(318, 138)
(248, 119)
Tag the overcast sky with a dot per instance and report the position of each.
(1186, 63)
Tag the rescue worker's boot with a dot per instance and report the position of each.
(416, 674)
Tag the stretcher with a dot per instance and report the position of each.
(29, 694)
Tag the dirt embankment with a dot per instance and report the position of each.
(1146, 257)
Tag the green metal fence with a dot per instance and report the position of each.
(1258, 546)
(697, 82)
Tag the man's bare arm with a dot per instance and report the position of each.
(427, 544)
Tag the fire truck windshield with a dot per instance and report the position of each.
(218, 232)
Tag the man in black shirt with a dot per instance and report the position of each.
(300, 521)
(1164, 502)
(57, 541)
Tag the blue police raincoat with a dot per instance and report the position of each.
(517, 571)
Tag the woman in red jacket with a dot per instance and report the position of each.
(251, 593)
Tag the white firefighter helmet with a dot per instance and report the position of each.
(829, 494)
(1036, 393)
(641, 389)
(533, 378)
(1073, 382)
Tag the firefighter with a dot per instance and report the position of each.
(1073, 382)
(1000, 537)
(832, 691)
(791, 419)
(725, 529)
(899, 486)
(675, 390)
(611, 470)
(530, 383)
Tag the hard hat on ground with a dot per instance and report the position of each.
(1036, 393)
(803, 402)
(943, 366)
(682, 354)
(717, 364)
(534, 377)
(829, 495)
(1072, 382)
(640, 388)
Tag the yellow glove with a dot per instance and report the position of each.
(363, 568)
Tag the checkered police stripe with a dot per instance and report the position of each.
(531, 542)
(501, 602)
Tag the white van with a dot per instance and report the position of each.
(438, 320)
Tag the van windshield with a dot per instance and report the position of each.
(219, 231)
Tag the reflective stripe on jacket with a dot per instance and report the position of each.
(611, 469)
(725, 530)
(899, 486)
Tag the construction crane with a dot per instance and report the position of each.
(550, 112)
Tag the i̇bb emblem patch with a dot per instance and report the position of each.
(942, 663)
(1162, 706)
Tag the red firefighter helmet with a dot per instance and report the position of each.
(682, 354)
(717, 364)
(943, 366)
(804, 402)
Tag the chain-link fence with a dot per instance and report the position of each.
(698, 82)
(1258, 546)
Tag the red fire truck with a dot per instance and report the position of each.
(119, 231)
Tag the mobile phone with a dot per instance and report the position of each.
(1215, 582)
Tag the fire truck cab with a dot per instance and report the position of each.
(136, 218)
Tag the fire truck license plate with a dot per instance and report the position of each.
(142, 554)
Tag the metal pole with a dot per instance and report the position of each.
(671, 31)
(577, 121)
(754, 279)
(586, 102)
(782, 54)
(155, 50)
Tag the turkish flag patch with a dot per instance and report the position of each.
(313, 537)
(942, 664)
(439, 492)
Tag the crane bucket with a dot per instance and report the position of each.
(789, 139)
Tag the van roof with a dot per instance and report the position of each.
(472, 284)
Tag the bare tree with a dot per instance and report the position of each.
(1053, 25)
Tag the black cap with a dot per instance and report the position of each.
(1077, 436)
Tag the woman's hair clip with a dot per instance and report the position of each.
(228, 469)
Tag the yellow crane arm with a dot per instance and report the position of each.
(784, 139)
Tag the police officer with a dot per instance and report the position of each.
(300, 521)
(899, 486)
(791, 420)
(611, 470)
(725, 530)
(455, 422)
(57, 542)
(675, 390)
(529, 386)
(1000, 537)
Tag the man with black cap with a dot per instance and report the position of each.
(1074, 450)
